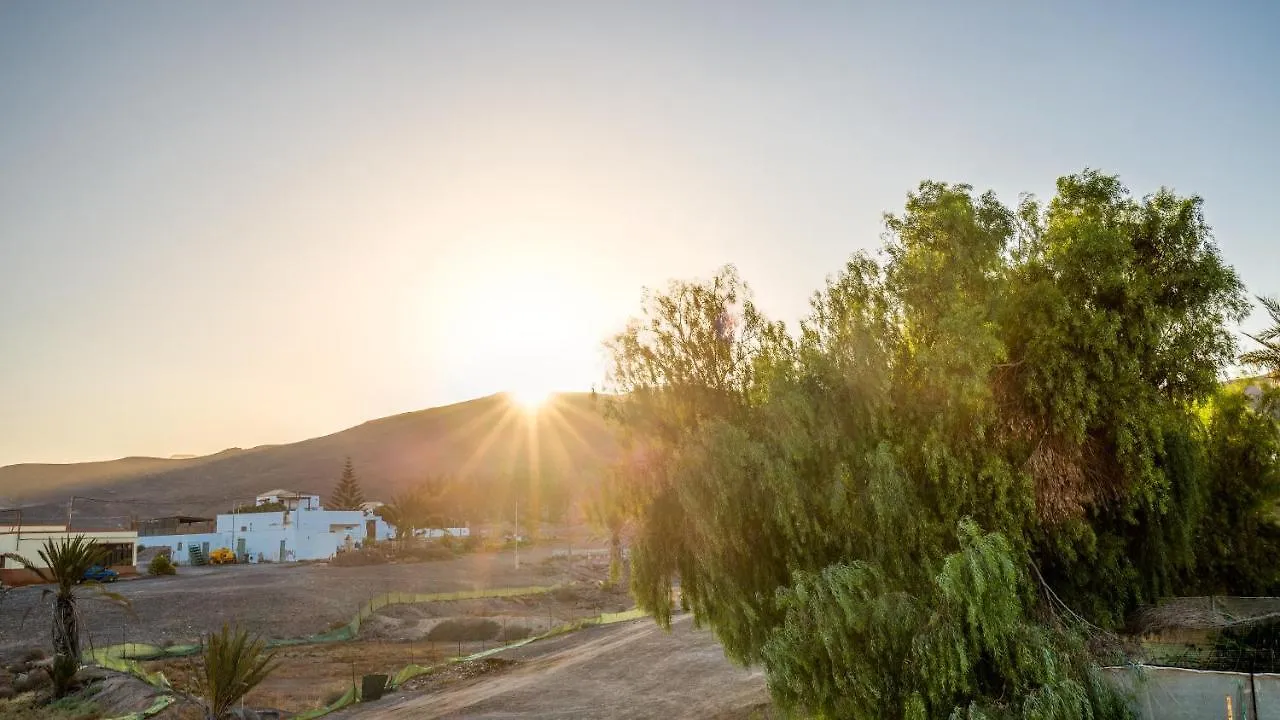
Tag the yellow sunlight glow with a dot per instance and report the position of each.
(530, 399)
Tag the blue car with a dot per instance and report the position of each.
(100, 574)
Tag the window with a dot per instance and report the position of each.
(179, 547)
(243, 528)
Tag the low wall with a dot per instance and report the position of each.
(1166, 693)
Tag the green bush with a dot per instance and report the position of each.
(231, 664)
(161, 565)
(357, 558)
(464, 630)
(511, 633)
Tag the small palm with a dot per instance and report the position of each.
(1266, 357)
(64, 563)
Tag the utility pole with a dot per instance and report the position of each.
(517, 532)
(70, 504)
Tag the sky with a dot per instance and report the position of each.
(236, 223)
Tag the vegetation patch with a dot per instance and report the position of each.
(464, 630)
(984, 448)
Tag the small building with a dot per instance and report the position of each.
(303, 531)
(120, 548)
(290, 499)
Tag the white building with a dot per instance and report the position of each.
(305, 531)
(119, 548)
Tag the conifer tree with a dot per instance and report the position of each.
(347, 494)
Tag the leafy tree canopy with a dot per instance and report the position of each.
(1007, 401)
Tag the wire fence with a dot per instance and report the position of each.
(319, 676)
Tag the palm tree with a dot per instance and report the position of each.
(64, 562)
(232, 664)
(403, 512)
(418, 507)
(1266, 357)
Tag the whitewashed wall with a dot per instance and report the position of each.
(307, 534)
(1164, 693)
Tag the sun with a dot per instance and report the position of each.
(530, 399)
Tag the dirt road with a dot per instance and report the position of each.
(629, 670)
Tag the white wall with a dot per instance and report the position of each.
(1164, 693)
(305, 533)
(178, 544)
(29, 540)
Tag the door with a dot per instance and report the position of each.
(282, 551)
(240, 552)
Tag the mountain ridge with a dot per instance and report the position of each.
(484, 437)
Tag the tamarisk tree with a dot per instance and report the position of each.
(910, 506)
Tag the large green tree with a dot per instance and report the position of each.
(904, 509)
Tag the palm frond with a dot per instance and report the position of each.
(27, 563)
(1266, 357)
(233, 664)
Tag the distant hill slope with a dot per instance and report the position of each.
(482, 438)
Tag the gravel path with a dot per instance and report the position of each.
(628, 670)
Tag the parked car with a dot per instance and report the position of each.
(100, 574)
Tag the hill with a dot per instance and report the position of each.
(473, 441)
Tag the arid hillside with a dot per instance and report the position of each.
(485, 438)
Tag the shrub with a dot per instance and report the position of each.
(511, 633)
(427, 552)
(161, 565)
(357, 558)
(464, 630)
(232, 664)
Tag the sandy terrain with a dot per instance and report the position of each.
(278, 601)
(629, 670)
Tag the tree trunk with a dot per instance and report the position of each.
(66, 627)
(615, 557)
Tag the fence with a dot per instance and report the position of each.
(1168, 693)
(400, 661)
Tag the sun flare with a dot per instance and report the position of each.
(530, 399)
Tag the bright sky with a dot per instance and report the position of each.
(234, 223)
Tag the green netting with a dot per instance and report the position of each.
(125, 657)
(348, 698)
(156, 708)
(349, 631)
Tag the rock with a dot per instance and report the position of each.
(90, 674)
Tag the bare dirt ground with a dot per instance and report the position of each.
(629, 670)
(310, 676)
(276, 601)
